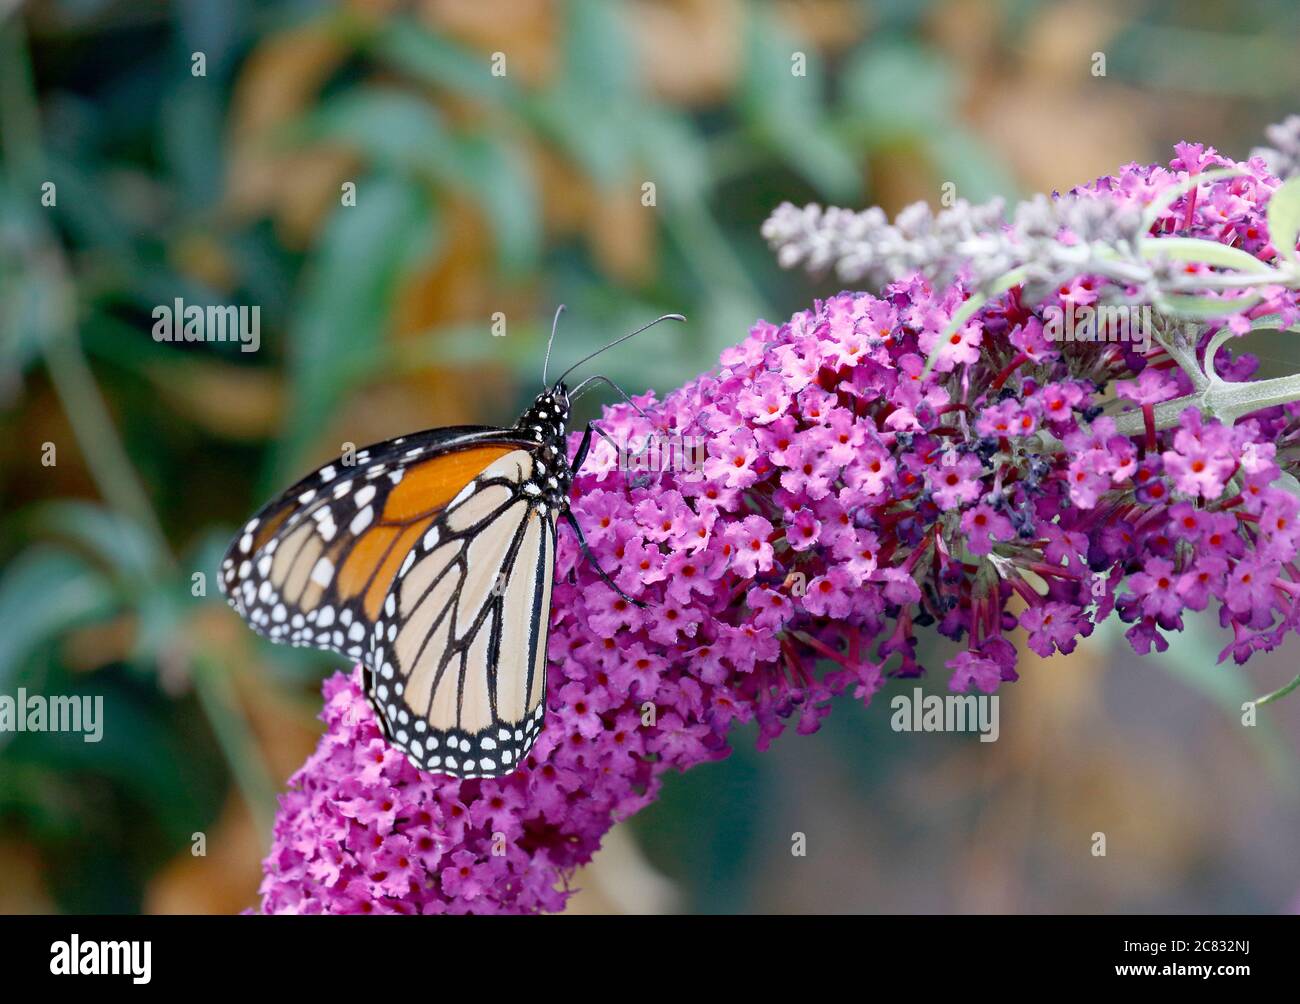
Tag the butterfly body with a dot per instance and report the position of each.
(429, 559)
(545, 423)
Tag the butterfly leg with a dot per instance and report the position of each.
(586, 553)
(585, 446)
(578, 458)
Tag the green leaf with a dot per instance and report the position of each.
(346, 303)
(216, 693)
(597, 56)
(471, 345)
(392, 129)
(896, 93)
(1280, 693)
(1204, 308)
(593, 111)
(497, 175)
(408, 46)
(1191, 249)
(1271, 322)
(44, 592)
(1284, 220)
(788, 112)
(91, 220)
(122, 545)
(961, 157)
(567, 118)
(403, 134)
(191, 134)
(674, 154)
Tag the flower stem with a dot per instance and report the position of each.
(1224, 401)
(1280, 693)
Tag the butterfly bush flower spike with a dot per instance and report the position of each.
(1011, 495)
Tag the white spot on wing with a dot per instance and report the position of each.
(323, 572)
(361, 520)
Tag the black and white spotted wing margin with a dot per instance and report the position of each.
(459, 649)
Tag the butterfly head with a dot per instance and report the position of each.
(558, 396)
(547, 419)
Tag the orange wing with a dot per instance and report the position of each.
(312, 568)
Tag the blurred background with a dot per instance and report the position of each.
(480, 195)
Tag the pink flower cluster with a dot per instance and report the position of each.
(846, 501)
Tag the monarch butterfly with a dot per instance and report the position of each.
(430, 561)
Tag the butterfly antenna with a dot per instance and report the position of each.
(619, 341)
(581, 389)
(550, 342)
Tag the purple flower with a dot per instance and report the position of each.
(983, 525)
(750, 551)
(1153, 590)
(1053, 626)
(955, 480)
(1202, 458)
(971, 668)
(1151, 387)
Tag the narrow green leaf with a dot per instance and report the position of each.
(408, 46)
(390, 128)
(966, 160)
(593, 110)
(1204, 308)
(497, 176)
(1191, 249)
(212, 682)
(1280, 693)
(1288, 483)
(346, 302)
(125, 547)
(668, 144)
(1284, 220)
(598, 55)
(405, 135)
(69, 592)
(896, 92)
(788, 111)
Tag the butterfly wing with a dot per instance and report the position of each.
(332, 562)
(317, 559)
(460, 666)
